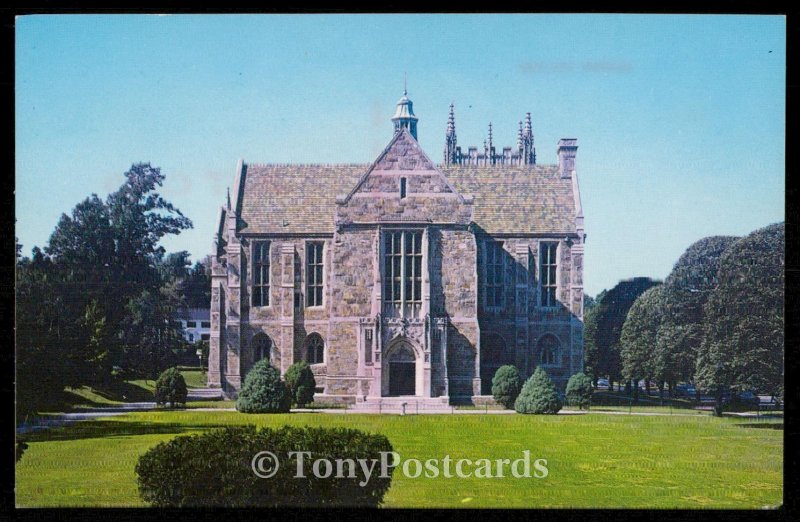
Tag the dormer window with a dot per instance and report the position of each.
(402, 188)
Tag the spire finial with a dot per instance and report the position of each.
(229, 198)
(405, 85)
(451, 122)
(490, 135)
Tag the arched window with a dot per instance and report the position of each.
(262, 345)
(494, 350)
(315, 349)
(548, 350)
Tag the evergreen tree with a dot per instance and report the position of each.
(301, 383)
(538, 395)
(171, 388)
(264, 391)
(506, 385)
(579, 390)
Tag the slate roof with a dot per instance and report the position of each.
(517, 200)
(303, 196)
(507, 200)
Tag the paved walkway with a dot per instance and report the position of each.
(62, 419)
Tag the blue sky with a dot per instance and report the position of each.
(679, 119)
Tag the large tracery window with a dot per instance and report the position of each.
(494, 274)
(314, 274)
(547, 273)
(402, 273)
(261, 273)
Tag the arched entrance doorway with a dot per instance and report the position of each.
(402, 371)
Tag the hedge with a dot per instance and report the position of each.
(215, 469)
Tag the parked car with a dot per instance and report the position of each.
(748, 397)
(686, 390)
(602, 383)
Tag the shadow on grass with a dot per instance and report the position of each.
(765, 425)
(123, 391)
(102, 429)
(606, 398)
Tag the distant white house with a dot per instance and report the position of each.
(196, 324)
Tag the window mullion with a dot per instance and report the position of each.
(403, 239)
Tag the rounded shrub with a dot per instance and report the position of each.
(218, 468)
(171, 388)
(579, 390)
(301, 383)
(538, 395)
(506, 385)
(263, 391)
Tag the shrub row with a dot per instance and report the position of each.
(537, 394)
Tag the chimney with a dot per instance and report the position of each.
(567, 147)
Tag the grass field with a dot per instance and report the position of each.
(593, 460)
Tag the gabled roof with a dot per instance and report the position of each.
(403, 153)
(513, 200)
(302, 199)
(517, 200)
(289, 199)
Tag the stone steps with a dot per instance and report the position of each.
(204, 394)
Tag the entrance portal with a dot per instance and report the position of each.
(402, 372)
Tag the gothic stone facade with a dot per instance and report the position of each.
(401, 277)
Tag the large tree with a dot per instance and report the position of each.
(639, 334)
(743, 344)
(604, 327)
(74, 300)
(686, 291)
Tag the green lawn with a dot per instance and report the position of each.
(195, 378)
(593, 460)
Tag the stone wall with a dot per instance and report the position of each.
(453, 274)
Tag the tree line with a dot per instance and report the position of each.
(100, 298)
(717, 320)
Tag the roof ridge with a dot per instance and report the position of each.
(497, 167)
(329, 165)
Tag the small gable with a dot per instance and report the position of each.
(403, 185)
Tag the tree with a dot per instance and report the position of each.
(150, 334)
(639, 336)
(74, 298)
(579, 390)
(743, 343)
(603, 327)
(589, 302)
(197, 285)
(301, 383)
(686, 291)
(171, 388)
(44, 337)
(264, 391)
(506, 385)
(538, 395)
